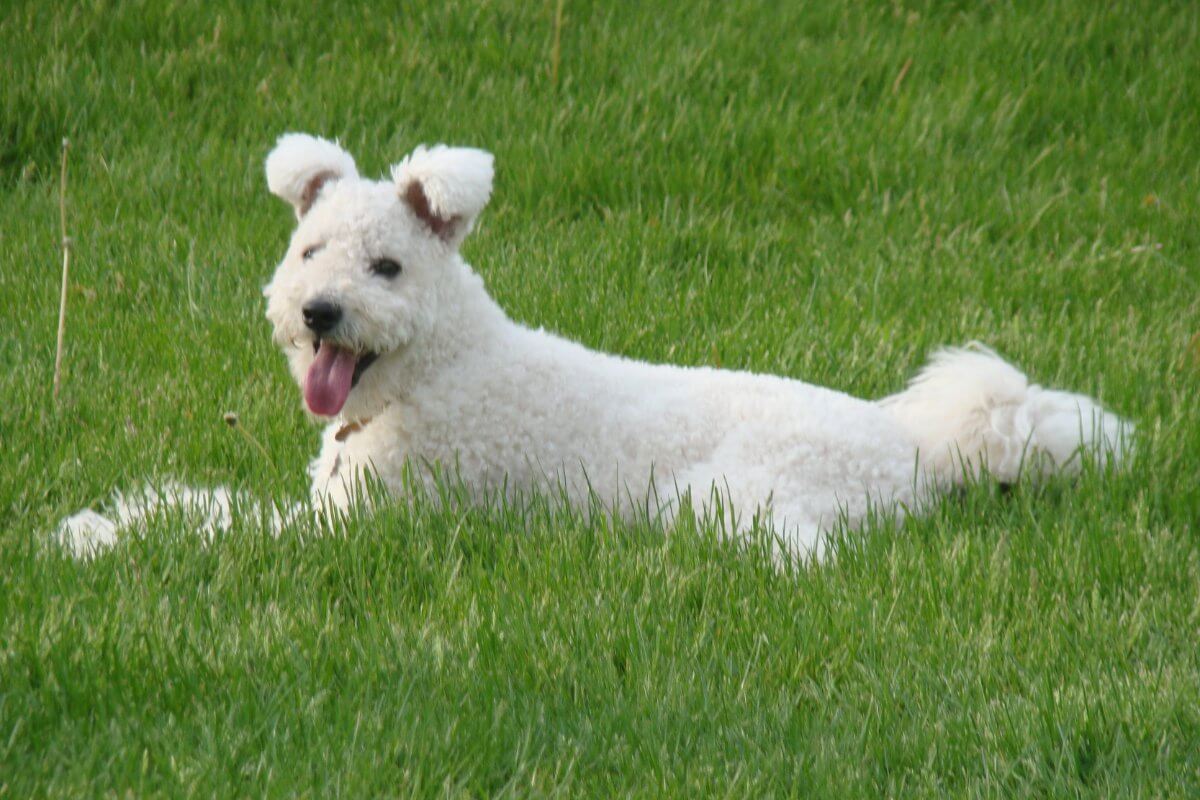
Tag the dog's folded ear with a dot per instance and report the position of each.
(446, 188)
(300, 165)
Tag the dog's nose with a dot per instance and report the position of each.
(321, 315)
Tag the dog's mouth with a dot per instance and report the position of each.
(334, 372)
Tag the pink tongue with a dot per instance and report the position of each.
(327, 384)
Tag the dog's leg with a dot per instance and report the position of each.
(969, 410)
(211, 511)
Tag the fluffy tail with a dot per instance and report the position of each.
(969, 410)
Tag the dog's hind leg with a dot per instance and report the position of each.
(969, 410)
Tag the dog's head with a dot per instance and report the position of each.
(358, 284)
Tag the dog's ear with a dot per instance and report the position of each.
(301, 164)
(446, 188)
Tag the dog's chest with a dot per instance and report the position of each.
(351, 450)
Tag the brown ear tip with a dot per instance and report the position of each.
(312, 190)
(418, 201)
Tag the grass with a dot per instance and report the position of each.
(825, 191)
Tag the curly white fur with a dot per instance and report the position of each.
(209, 511)
(300, 165)
(512, 409)
(457, 181)
(969, 411)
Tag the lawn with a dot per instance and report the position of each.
(820, 190)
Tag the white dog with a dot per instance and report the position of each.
(395, 340)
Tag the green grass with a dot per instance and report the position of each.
(822, 190)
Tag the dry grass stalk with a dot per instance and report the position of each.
(66, 270)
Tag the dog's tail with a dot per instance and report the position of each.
(209, 512)
(970, 411)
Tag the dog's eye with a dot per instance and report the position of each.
(385, 267)
(309, 252)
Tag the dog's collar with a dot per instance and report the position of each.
(351, 428)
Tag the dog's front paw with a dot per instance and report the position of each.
(86, 533)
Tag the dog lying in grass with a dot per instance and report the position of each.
(395, 341)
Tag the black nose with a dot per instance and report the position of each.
(321, 315)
